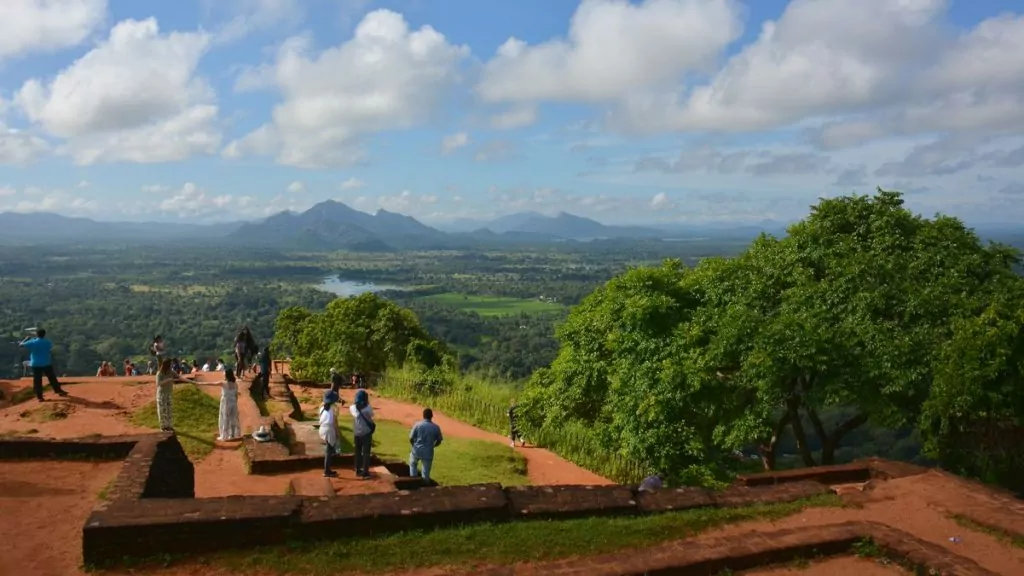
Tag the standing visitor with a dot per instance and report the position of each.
(228, 424)
(157, 349)
(513, 427)
(329, 431)
(265, 362)
(41, 361)
(362, 428)
(337, 381)
(241, 351)
(165, 381)
(424, 437)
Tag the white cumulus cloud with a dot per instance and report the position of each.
(28, 26)
(612, 48)
(134, 97)
(385, 77)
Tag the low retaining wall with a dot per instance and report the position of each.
(154, 526)
(275, 458)
(854, 472)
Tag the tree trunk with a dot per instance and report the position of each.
(769, 451)
(798, 432)
(830, 442)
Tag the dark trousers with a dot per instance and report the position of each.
(362, 455)
(328, 455)
(37, 380)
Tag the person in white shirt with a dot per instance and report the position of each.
(220, 366)
(329, 431)
(206, 367)
(363, 427)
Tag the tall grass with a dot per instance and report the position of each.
(485, 405)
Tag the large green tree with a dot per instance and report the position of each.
(852, 309)
(365, 333)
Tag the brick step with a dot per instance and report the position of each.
(312, 486)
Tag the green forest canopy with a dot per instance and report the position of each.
(909, 321)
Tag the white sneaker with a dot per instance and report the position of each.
(513, 443)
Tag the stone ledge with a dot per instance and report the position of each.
(153, 527)
(275, 458)
(570, 501)
(755, 550)
(838, 474)
(372, 514)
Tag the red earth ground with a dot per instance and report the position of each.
(37, 493)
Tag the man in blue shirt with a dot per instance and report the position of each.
(424, 436)
(39, 348)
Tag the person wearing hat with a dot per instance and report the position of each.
(329, 431)
(362, 428)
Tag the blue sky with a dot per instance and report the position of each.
(644, 111)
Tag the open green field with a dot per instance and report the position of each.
(492, 305)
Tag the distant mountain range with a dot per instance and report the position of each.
(331, 225)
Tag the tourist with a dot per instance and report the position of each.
(513, 428)
(128, 367)
(165, 381)
(206, 367)
(424, 437)
(362, 428)
(329, 431)
(264, 362)
(228, 424)
(39, 359)
(241, 352)
(156, 349)
(652, 483)
(337, 380)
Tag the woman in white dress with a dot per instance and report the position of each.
(229, 426)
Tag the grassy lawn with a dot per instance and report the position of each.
(195, 419)
(457, 461)
(500, 544)
(492, 305)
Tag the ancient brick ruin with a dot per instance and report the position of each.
(151, 510)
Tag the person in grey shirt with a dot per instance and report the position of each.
(652, 483)
(424, 437)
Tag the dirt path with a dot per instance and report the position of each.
(543, 467)
(43, 506)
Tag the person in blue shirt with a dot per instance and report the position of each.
(424, 437)
(39, 359)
